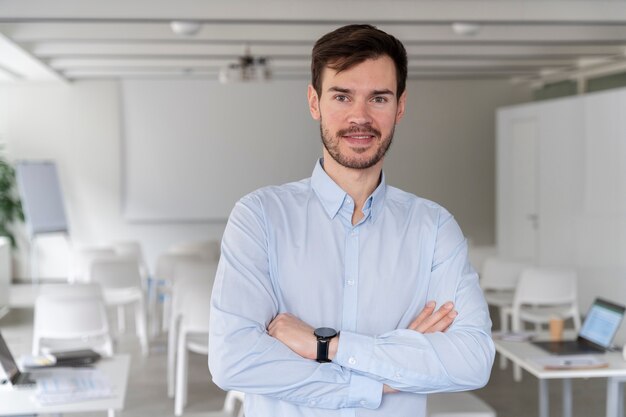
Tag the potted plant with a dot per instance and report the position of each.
(10, 205)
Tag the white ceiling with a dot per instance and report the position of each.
(521, 40)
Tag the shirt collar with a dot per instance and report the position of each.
(332, 196)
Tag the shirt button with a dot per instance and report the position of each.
(312, 403)
(350, 282)
(348, 201)
(351, 360)
(353, 233)
(362, 402)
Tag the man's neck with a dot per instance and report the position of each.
(358, 183)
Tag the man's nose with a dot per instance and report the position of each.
(360, 113)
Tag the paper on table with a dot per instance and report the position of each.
(65, 385)
(570, 362)
(513, 336)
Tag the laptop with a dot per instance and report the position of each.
(596, 334)
(14, 376)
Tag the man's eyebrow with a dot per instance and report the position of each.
(373, 93)
(340, 90)
(382, 92)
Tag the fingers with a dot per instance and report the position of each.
(438, 321)
(275, 323)
(443, 324)
(426, 312)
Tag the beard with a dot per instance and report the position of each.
(332, 145)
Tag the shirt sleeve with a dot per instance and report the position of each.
(459, 359)
(242, 356)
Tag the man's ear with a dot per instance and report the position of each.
(314, 103)
(401, 106)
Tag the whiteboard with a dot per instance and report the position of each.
(192, 148)
(42, 199)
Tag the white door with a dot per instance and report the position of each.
(524, 166)
(517, 218)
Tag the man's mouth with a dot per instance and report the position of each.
(359, 137)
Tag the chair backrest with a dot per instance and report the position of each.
(76, 315)
(84, 257)
(501, 274)
(192, 290)
(478, 254)
(546, 286)
(230, 403)
(132, 249)
(208, 249)
(166, 264)
(115, 272)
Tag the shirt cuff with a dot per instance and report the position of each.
(353, 352)
(364, 392)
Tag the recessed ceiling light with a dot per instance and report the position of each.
(466, 29)
(185, 27)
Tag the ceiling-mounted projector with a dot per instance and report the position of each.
(247, 68)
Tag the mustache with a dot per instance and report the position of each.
(359, 129)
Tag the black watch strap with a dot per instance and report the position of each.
(324, 336)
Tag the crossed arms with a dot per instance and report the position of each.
(255, 349)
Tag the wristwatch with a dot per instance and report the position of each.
(323, 335)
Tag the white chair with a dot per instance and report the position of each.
(161, 288)
(82, 259)
(120, 279)
(542, 293)
(132, 248)
(458, 404)
(498, 280)
(71, 317)
(189, 327)
(477, 255)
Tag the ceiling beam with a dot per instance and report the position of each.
(605, 12)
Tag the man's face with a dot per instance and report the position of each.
(358, 110)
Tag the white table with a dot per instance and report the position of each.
(520, 353)
(21, 401)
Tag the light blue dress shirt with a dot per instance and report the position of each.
(293, 248)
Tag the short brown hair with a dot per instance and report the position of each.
(351, 45)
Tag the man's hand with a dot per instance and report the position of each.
(296, 334)
(431, 321)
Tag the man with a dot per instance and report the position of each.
(324, 300)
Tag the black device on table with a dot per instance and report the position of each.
(596, 334)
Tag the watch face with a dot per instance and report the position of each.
(325, 332)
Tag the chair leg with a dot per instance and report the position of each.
(152, 307)
(141, 327)
(167, 307)
(517, 373)
(121, 320)
(171, 358)
(181, 374)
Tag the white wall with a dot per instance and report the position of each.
(580, 190)
(444, 150)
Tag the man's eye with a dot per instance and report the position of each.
(379, 99)
(341, 98)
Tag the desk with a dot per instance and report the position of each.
(20, 401)
(520, 352)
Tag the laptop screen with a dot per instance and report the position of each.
(602, 322)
